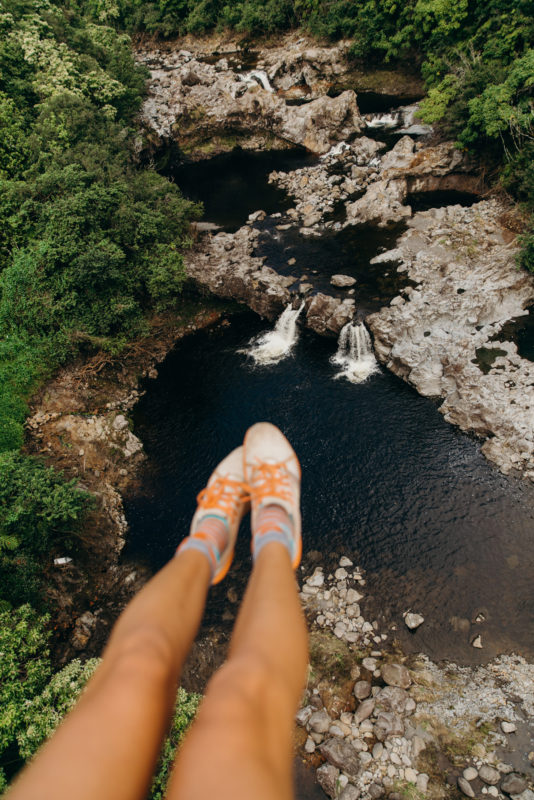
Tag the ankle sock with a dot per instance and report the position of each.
(273, 524)
(210, 538)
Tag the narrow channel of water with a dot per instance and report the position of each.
(439, 530)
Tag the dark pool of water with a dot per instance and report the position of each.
(422, 201)
(348, 252)
(435, 525)
(233, 185)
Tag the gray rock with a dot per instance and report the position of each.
(320, 721)
(341, 754)
(365, 709)
(489, 775)
(513, 784)
(413, 621)
(362, 689)
(396, 675)
(342, 281)
(309, 747)
(378, 749)
(422, 782)
(465, 787)
(327, 776)
(470, 773)
(388, 724)
(303, 715)
(350, 792)
(392, 698)
(508, 727)
(375, 791)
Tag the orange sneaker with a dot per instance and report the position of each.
(272, 472)
(221, 506)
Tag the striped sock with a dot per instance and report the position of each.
(210, 538)
(273, 524)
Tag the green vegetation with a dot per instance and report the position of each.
(90, 243)
(33, 700)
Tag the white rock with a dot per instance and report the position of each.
(345, 562)
(470, 773)
(309, 747)
(341, 574)
(413, 621)
(477, 642)
(410, 775)
(508, 727)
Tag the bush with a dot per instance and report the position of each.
(45, 711)
(186, 707)
(24, 671)
(38, 510)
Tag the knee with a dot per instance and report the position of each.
(144, 654)
(250, 685)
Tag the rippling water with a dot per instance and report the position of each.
(437, 527)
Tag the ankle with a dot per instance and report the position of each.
(210, 538)
(273, 525)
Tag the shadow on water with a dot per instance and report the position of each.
(233, 185)
(436, 527)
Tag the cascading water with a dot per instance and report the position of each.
(355, 353)
(273, 346)
(257, 77)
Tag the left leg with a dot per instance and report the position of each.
(107, 747)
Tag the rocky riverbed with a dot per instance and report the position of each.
(461, 261)
(398, 728)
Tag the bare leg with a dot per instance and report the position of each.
(107, 747)
(240, 745)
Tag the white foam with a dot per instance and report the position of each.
(274, 345)
(355, 354)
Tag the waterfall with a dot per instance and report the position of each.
(257, 77)
(355, 353)
(389, 120)
(272, 346)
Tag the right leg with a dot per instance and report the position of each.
(240, 746)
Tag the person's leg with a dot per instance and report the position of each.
(109, 744)
(107, 747)
(240, 745)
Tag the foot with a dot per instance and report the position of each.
(272, 472)
(221, 506)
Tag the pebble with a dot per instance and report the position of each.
(350, 792)
(396, 675)
(489, 775)
(413, 621)
(341, 574)
(317, 579)
(508, 727)
(320, 721)
(378, 749)
(422, 782)
(345, 562)
(362, 689)
(470, 773)
(410, 775)
(465, 787)
(493, 791)
(303, 715)
(309, 747)
(369, 664)
(365, 709)
(477, 642)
